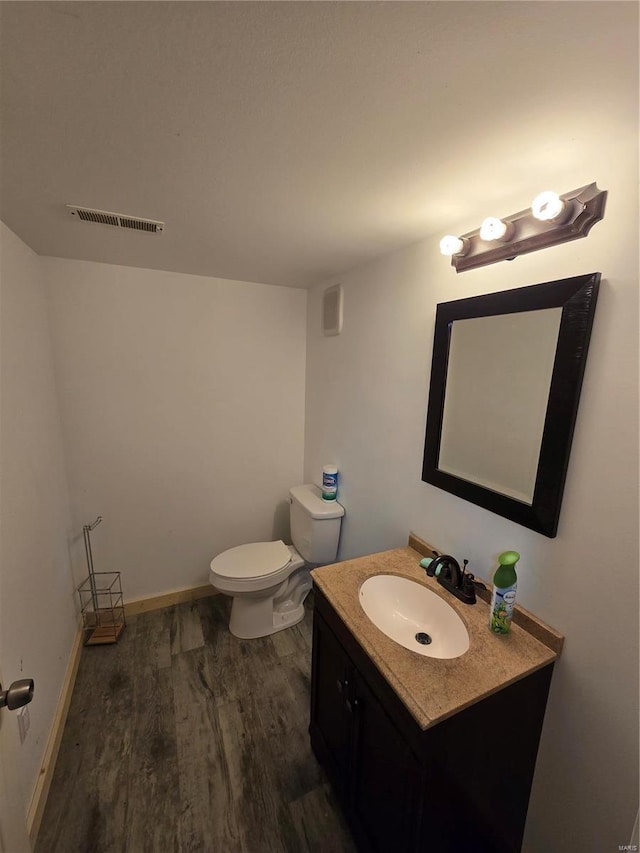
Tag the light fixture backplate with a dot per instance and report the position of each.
(586, 206)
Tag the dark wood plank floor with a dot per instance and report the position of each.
(183, 738)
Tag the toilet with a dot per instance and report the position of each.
(269, 581)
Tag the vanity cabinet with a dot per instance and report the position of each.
(460, 786)
(365, 756)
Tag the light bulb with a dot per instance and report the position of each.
(547, 206)
(493, 229)
(451, 245)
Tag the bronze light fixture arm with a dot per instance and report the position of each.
(582, 209)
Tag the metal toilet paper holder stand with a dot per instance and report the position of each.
(101, 602)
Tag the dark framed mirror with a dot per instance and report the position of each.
(506, 376)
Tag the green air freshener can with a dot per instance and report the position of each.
(505, 582)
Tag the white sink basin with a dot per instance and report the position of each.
(414, 616)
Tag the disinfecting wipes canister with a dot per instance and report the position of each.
(329, 483)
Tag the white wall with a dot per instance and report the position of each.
(366, 411)
(182, 400)
(37, 598)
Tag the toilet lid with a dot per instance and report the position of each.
(253, 560)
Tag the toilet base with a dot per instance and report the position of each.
(245, 626)
(260, 614)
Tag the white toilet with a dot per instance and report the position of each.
(269, 581)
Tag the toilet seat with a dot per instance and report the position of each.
(254, 560)
(256, 568)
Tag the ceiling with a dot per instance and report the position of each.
(285, 142)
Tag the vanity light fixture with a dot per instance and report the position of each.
(551, 219)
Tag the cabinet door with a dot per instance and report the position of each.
(330, 726)
(387, 781)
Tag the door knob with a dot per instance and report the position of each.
(19, 693)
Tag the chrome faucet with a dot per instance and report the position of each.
(454, 579)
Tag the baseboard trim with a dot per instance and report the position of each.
(178, 596)
(41, 790)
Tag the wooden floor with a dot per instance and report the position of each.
(183, 738)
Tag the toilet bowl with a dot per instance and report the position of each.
(269, 581)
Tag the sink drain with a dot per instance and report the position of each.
(423, 639)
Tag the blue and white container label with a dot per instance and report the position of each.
(329, 485)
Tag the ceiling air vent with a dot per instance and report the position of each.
(119, 220)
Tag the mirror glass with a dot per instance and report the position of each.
(498, 382)
(505, 383)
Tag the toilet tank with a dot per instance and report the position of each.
(315, 524)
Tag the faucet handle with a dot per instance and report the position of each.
(468, 586)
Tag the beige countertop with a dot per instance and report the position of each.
(434, 689)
